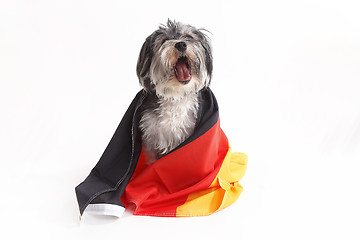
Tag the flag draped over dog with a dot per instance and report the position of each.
(199, 177)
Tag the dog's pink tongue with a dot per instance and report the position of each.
(183, 73)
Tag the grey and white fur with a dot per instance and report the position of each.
(174, 64)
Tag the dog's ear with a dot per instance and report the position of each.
(205, 43)
(208, 60)
(144, 62)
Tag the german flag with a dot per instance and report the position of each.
(199, 177)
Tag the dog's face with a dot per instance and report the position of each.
(175, 60)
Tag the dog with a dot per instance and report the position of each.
(174, 64)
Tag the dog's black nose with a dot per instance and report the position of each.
(181, 46)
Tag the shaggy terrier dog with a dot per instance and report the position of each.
(174, 64)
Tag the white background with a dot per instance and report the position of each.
(286, 76)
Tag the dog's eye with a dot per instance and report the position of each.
(189, 36)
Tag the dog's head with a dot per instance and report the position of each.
(175, 60)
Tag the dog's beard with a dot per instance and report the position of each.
(175, 74)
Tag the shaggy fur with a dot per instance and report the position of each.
(174, 64)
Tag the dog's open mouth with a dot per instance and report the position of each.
(182, 70)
